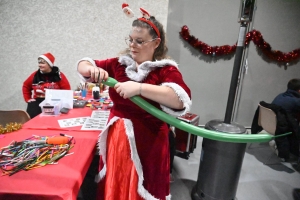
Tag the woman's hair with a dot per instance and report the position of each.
(161, 51)
(294, 84)
(41, 60)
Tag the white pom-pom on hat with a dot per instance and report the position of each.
(127, 11)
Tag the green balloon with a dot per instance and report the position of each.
(214, 135)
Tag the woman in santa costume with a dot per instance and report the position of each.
(47, 76)
(134, 147)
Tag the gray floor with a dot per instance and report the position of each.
(263, 176)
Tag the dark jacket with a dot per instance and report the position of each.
(285, 123)
(289, 101)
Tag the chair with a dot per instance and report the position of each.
(8, 116)
(268, 121)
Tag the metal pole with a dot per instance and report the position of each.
(221, 162)
(235, 72)
(245, 17)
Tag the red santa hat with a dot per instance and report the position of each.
(49, 58)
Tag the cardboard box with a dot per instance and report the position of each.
(186, 142)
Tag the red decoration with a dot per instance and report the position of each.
(253, 35)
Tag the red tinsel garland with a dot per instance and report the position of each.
(253, 35)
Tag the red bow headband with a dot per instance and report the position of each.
(146, 17)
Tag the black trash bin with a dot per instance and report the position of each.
(220, 164)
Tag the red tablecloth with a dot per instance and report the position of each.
(51, 122)
(58, 181)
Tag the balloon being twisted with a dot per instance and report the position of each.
(214, 135)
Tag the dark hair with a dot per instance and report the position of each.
(161, 51)
(294, 84)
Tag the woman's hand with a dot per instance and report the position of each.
(96, 74)
(161, 94)
(128, 89)
(30, 100)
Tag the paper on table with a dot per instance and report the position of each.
(71, 122)
(100, 114)
(97, 121)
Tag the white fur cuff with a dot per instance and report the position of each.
(182, 95)
(82, 78)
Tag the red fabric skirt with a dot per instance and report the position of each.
(125, 172)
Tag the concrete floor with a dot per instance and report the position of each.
(263, 175)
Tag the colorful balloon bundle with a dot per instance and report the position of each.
(34, 152)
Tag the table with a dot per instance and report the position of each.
(50, 122)
(55, 182)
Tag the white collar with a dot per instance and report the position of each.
(144, 69)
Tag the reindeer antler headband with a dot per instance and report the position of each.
(146, 17)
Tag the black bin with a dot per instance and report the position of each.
(220, 164)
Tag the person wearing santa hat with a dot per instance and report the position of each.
(47, 76)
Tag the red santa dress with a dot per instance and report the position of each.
(134, 146)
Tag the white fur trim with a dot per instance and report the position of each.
(144, 68)
(82, 78)
(47, 60)
(136, 161)
(102, 147)
(182, 95)
(134, 156)
(168, 197)
(100, 175)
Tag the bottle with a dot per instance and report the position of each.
(96, 92)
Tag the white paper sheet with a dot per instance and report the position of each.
(71, 122)
(97, 121)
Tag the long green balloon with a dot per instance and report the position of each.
(214, 135)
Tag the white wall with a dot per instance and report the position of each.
(69, 29)
(215, 23)
(73, 29)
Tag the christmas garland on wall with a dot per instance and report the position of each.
(253, 35)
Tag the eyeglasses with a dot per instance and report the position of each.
(139, 43)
